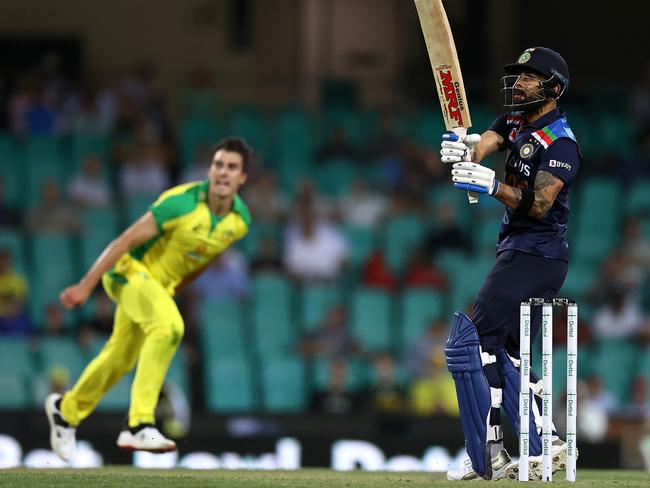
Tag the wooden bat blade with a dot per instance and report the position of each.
(444, 63)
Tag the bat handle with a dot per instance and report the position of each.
(462, 132)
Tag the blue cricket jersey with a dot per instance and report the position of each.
(547, 144)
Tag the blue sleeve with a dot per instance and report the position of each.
(500, 126)
(562, 158)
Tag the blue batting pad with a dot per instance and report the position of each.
(472, 389)
(511, 401)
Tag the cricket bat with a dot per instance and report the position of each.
(446, 69)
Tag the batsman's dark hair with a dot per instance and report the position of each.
(238, 145)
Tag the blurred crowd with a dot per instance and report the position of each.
(302, 232)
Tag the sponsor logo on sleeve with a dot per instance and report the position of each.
(554, 163)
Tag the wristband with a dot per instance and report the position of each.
(527, 201)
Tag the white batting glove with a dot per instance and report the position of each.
(453, 149)
(474, 177)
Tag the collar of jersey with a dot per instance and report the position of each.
(238, 206)
(547, 119)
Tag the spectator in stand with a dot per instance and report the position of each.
(265, 199)
(54, 321)
(420, 353)
(385, 144)
(202, 160)
(336, 397)
(615, 272)
(423, 273)
(362, 206)
(435, 392)
(42, 117)
(90, 112)
(267, 257)
(635, 246)
(447, 235)
(14, 319)
(336, 147)
(9, 216)
(88, 188)
(226, 278)
(52, 214)
(638, 408)
(620, 317)
(144, 163)
(386, 394)
(315, 250)
(331, 339)
(600, 398)
(377, 273)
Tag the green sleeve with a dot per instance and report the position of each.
(166, 209)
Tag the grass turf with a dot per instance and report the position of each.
(112, 476)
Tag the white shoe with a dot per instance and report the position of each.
(535, 463)
(146, 439)
(62, 436)
(499, 464)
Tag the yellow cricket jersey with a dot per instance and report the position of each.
(189, 237)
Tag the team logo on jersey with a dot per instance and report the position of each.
(227, 235)
(526, 150)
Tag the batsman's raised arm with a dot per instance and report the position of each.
(534, 203)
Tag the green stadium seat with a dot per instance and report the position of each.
(272, 323)
(466, 284)
(16, 356)
(363, 241)
(222, 328)
(315, 302)
(419, 307)
(13, 241)
(61, 352)
(294, 135)
(401, 236)
(427, 128)
(54, 268)
(597, 220)
(617, 134)
(138, 205)
(15, 395)
(371, 318)
(486, 236)
(283, 383)
(118, 398)
(84, 145)
(100, 228)
(248, 122)
(10, 172)
(43, 161)
(335, 177)
(624, 355)
(194, 132)
(637, 200)
(357, 374)
(229, 385)
(579, 278)
(179, 372)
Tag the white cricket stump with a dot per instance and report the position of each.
(524, 390)
(525, 396)
(547, 392)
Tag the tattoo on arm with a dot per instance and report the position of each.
(547, 187)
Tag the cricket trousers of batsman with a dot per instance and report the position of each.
(483, 354)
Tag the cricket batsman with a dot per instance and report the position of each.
(542, 159)
(172, 243)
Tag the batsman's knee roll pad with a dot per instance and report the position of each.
(511, 392)
(463, 356)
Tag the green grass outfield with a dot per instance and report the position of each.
(126, 477)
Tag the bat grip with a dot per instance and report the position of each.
(462, 132)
